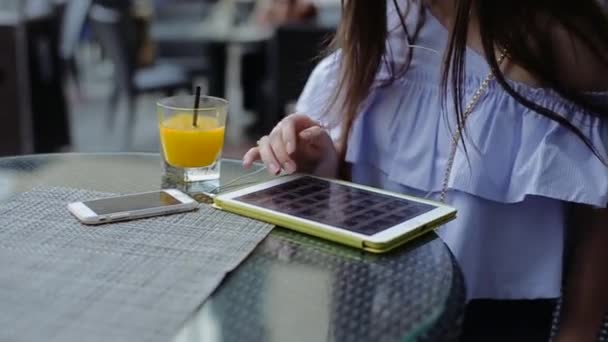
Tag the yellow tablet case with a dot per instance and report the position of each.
(311, 229)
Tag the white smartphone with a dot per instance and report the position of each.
(134, 206)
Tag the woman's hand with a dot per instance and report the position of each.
(296, 144)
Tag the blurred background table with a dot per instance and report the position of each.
(84, 75)
(293, 287)
(34, 108)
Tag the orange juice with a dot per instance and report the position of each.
(187, 146)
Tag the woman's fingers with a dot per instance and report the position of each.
(280, 151)
(315, 137)
(268, 157)
(251, 157)
(288, 134)
(291, 126)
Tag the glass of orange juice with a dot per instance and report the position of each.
(192, 148)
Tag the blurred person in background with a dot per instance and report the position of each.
(277, 12)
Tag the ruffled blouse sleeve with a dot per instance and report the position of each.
(316, 98)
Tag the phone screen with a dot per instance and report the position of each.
(131, 203)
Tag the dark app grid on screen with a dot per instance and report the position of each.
(337, 205)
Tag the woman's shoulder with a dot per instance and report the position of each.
(512, 151)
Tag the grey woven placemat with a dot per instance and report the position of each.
(131, 281)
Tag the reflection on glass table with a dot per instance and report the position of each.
(299, 288)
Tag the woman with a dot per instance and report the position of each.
(497, 107)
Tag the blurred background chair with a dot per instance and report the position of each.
(192, 56)
(116, 33)
(289, 58)
(275, 73)
(294, 51)
(16, 135)
(51, 123)
(34, 111)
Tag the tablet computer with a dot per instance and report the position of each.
(363, 217)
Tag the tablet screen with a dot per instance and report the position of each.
(357, 210)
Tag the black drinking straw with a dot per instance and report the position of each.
(197, 101)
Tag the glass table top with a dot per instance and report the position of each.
(292, 287)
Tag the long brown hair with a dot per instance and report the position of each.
(519, 26)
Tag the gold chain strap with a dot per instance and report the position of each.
(458, 134)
